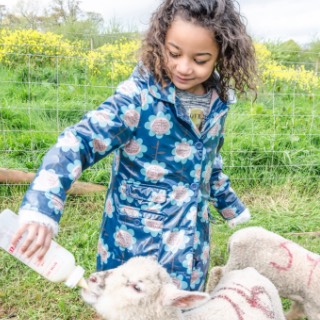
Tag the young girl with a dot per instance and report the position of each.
(165, 127)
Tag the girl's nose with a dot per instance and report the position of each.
(183, 67)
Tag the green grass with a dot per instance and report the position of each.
(26, 295)
(284, 209)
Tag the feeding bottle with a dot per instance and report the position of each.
(58, 265)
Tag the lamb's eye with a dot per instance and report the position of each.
(136, 287)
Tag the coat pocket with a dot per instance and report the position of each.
(138, 220)
(143, 208)
(144, 193)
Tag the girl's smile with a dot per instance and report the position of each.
(191, 53)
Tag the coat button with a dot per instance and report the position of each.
(199, 145)
(194, 186)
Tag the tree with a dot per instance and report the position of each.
(60, 16)
(29, 13)
(63, 17)
(24, 15)
(66, 17)
(313, 52)
(3, 10)
(65, 10)
(288, 52)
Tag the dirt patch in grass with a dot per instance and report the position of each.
(6, 314)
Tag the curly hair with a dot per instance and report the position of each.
(236, 64)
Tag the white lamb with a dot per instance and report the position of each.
(141, 289)
(294, 270)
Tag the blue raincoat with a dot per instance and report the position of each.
(164, 174)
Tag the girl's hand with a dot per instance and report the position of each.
(37, 241)
(243, 217)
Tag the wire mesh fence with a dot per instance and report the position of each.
(268, 140)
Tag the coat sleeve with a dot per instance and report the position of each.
(224, 198)
(80, 146)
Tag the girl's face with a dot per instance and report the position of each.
(191, 54)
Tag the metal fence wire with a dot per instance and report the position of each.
(267, 140)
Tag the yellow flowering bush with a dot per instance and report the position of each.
(263, 55)
(115, 60)
(273, 73)
(19, 46)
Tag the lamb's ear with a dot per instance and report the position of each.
(182, 299)
(215, 275)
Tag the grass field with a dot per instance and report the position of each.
(286, 209)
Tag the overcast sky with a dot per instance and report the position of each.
(266, 19)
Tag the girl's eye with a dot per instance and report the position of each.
(173, 55)
(200, 62)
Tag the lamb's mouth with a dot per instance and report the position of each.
(89, 296)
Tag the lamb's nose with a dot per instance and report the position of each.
(93, 279)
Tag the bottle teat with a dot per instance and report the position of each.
(83, 284)
(76, 277)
